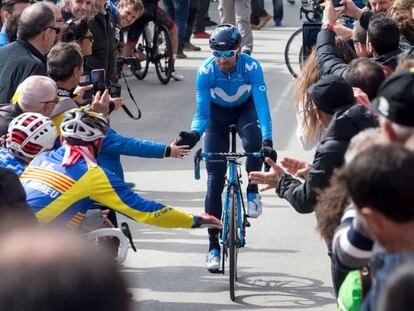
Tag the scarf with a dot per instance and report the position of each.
(74, 153)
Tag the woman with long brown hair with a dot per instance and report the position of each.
(309, 130)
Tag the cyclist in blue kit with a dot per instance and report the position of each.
(230, 89)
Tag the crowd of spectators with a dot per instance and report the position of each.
(355, 103)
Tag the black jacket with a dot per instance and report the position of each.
(18, 60)
(104, 45)
(7, 113)
(330, 63)
(346, 123)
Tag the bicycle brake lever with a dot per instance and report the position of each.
(125, 230)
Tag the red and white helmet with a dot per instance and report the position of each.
(30, 134)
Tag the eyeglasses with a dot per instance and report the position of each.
(56, 29)
(90, 37)
(53, 101)
(226, 54)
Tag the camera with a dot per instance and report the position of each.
(115, 90)
(97, 77)
(132, 62)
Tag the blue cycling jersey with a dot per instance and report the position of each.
(231, 90)
(9, 160)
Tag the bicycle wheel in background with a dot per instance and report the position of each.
(143, 53)
(163, 58)
(233, 240)
(294, 53)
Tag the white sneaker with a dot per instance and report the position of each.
(127, 72)
(176, 76)
(254, 205)
(213, 260)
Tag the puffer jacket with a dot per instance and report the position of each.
(346, 123)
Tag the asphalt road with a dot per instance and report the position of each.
(284, 265)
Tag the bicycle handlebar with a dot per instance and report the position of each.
(312, 11)
(224, 155)
(123, 234)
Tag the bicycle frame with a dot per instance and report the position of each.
(232, 180)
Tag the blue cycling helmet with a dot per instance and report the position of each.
(225, 37)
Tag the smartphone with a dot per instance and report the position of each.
(337, 5)
(98, 80)
(84, 81)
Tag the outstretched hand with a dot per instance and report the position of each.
(295, 167)
(270, 179)
(179, 151)
(206, 221)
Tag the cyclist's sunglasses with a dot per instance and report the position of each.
(226, 54)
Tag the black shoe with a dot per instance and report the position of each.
(208, 23)
(292, 2)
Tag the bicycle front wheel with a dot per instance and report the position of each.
(294, 53)
(144, 56)
(163, 59)
(233, 240)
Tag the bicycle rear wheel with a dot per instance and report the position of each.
(294, 53)
(233, 240)
(144, 53)
(163, 59)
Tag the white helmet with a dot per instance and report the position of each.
(84, 124)
(30, 134)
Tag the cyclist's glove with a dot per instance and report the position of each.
(268, 151)
(206, 221)
(188, 138)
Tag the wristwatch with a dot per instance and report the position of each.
(327, 26)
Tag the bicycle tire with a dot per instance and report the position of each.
(294, 53)
(233, 247)
(140, 74)
(163, 59)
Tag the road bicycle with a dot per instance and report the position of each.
(153, 46)
(96, 229)
(234, 218)
(295, 49)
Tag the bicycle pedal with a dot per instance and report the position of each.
(215, 271)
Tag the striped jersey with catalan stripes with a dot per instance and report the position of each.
(64, 194)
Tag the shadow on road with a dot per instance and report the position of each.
(254, 290)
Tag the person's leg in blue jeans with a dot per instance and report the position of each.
(192, 13)
(178, 10)
(202, 10)
(278, 12)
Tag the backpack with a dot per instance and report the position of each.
(354, 289)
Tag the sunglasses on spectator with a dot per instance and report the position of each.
(226, 54)
(56, 29)
(90, 37)
(53, 101)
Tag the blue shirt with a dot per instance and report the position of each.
(3, 39)
(9, 160)
(231, 90)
